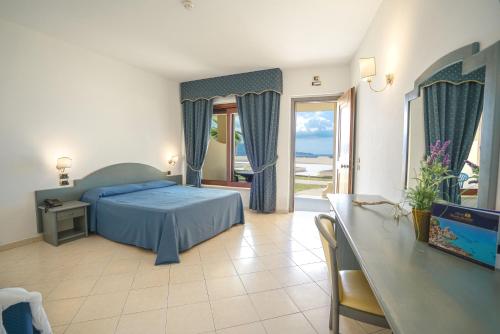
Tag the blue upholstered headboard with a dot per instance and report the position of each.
(107, 176)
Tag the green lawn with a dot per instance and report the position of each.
(317, 178)
(302, 186)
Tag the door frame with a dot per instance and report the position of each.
(321, 98)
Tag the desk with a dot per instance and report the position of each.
(421, 289)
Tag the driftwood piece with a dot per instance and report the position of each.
(398, 210)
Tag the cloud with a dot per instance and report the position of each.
(314, 124)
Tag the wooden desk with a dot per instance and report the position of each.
(421, 289)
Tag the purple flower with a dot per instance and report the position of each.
(446, 160)
(439, 154)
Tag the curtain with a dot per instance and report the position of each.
(197, 117)
(452, 112)
(259, 116)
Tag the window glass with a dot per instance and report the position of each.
(242, 172)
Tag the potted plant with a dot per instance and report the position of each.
(433, 171)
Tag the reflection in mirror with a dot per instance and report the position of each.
(448, 107)
(468, 177)
(215, 166)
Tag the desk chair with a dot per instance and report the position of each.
(351, 294)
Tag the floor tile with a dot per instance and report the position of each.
(319, 318)
(146, 299)
(101, 326)
(186, 273)
(289, 324)
(191, 256)
(72, 288)
(260, 281)
(212, 255)
(151, 278)
(325, 285)
(304, 257)
(277, 261)
(121, 266)
(289, 276)
(308, 296)
(266, 249)
(350, 326)
(241, 253)
(251, 265)
(219, 269)
(369, 329)
(272, 304)
(225, 287)
(233, 311)
(150, 322)
(187, 319)
(253, 328)
(317, 271)
(187, 293)
(59, 329)
(113, 283)
(101, 306)
(61, 312)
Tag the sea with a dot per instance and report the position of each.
(480, 243)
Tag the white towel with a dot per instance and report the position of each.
(12, 296)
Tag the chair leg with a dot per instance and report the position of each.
(334, 318)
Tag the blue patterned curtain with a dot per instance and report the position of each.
(452, 111)
(259, 115)
(197, 117)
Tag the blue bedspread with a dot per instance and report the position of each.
(162, 216)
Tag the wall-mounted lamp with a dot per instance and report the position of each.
(367, 70)
(173, 160)
(62, 164)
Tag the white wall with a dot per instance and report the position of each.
(406, 37)
(57, 99)
(297, 83)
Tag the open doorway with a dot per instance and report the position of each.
(313, 145)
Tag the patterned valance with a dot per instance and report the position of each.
(236, 84)
(453, 74)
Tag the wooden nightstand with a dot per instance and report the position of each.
(74, 212)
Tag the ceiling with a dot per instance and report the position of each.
(217, 37)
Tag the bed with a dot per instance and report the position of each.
(161, 215)
(140, 205)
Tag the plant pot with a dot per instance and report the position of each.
(421, 221)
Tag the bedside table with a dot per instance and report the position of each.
(74, 212)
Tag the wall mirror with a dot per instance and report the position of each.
(458, 99)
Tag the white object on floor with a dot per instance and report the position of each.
(12, 296)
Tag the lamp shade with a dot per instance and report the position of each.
(63, 162)
(367, 67)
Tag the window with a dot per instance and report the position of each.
(226, 162)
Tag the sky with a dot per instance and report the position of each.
(314, 132)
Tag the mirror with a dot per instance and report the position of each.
(453, 100)
(468, 176)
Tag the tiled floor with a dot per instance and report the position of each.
(267, 276)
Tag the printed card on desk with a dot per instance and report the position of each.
(469, 233)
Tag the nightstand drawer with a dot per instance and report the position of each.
(69, 214)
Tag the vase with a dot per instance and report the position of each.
(421, 220)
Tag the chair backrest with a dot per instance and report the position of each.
(326, 228)
(462, 178)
